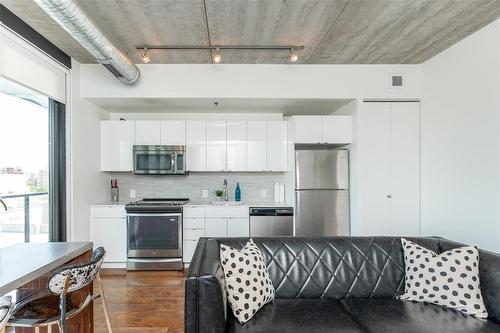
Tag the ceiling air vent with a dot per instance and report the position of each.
(113, 70)
(396, 81)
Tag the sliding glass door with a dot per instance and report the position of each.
(24, 165)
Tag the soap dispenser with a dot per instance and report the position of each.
(237, 192)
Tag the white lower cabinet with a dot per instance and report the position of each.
(108, 228)
(216, 226)
(212, 221)
(188, 247)
(238, 227)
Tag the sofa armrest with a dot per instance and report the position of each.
(489, 275)
(205, 301)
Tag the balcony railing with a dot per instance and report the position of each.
(26, 218)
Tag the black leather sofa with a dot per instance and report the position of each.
(337, 284)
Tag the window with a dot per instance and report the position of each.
(24, 165)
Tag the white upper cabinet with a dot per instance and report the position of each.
(156, 132)
(276, 145)
(213, 145)
(117, 139)
(308, 129)
(196, 145)
(236, 145)
(147, 132)
(216, 145)
(336, 129)
(173, 132)
(323, 129)
(256, 145)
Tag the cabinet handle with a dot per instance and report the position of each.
(389, 196)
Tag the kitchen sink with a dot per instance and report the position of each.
(227, 203)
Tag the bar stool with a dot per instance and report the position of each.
(55, 305)
(5, 311)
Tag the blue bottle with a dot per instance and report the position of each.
(237, 192)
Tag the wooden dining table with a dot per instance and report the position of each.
(26, 267)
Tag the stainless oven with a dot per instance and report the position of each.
(159, 160)
(154, 235)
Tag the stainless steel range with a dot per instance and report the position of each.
(154, 234)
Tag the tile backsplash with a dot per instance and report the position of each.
(191, 185)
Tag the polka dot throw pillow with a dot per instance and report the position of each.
(248, 284)
(449, 279)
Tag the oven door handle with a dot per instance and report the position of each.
(154, 214)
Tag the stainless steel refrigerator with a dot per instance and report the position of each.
(322, 191)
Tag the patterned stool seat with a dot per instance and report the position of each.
(44, 307)
(5, 307)
(5, 311)
(59, 302)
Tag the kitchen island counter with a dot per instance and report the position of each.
(25, 262)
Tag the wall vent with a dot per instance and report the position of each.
(396, 80)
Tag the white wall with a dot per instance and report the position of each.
(87, 184)
(461, 141)
(254, 81)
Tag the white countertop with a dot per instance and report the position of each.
(111, 203)
(244, 203)
(193, 203)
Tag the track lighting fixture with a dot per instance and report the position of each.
(216, 50)
(293, 55)
(217, 56)
(144, 56)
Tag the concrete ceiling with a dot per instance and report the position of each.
(332, 31)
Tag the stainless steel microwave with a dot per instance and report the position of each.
(159, 160)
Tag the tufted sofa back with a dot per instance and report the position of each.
(334, 268)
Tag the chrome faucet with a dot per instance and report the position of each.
(224, 190)
(3, 203)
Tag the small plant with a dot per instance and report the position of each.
(219, 193)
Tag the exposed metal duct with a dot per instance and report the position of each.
(75, 22)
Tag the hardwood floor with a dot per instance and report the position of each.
(142, 302)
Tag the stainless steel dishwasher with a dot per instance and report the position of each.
(271, 221)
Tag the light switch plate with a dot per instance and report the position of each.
(204, 193)
(132, 194)
(263, 193)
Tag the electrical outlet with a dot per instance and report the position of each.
(204, 193)
(263, 193)
(132, 194)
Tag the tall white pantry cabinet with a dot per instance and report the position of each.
(389, 168)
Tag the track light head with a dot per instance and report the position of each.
(217, 56)
(293, 55)
(145, 57)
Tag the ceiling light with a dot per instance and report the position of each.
(293, 56)
(217, 56)
(145, 57)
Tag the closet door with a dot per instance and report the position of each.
(375, 167)
(405, 165)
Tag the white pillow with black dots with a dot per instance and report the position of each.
(450, 279)
(248, 284)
